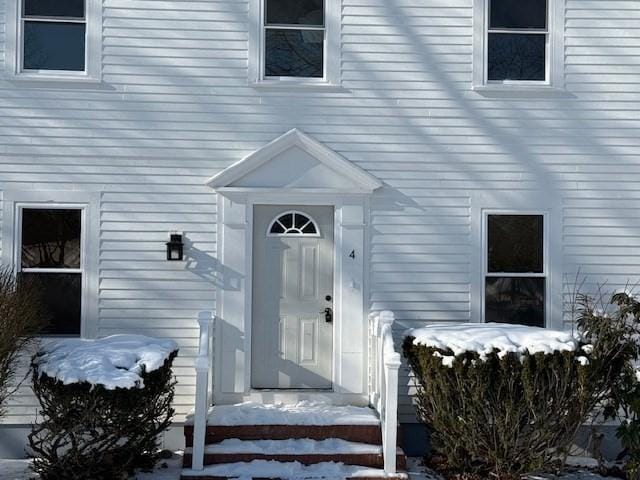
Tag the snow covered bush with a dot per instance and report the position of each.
(20, 318)
(501, 400)
(103, 405)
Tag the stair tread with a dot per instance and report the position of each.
(292, 446)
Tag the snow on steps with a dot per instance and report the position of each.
(305, 440)
(261, 469)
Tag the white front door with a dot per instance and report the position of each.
(292, 305)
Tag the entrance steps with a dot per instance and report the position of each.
(303, 441)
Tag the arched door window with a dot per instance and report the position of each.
(293, 224)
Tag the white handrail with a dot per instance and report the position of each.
(203, 399)
(384, 363)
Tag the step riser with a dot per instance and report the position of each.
(370, 434)
(366, 460)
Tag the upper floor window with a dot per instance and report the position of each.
(297, 42)
(517, 40)
(52, 38)
(515, 271)
(516, 44)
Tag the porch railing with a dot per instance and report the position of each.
(203, 390)
(384, 364)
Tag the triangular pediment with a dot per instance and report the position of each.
(295, 161)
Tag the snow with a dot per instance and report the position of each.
(113, 362)
(484, 338)
(301, 413)
(584, 361)
(19, 470)
(286, 470)
(300, 446)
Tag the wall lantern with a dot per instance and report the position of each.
(175, 247)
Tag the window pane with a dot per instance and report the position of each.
(515, 300)
(50, 238)
(294, 53)
(518, 14)
(54, 46)
(62, 300)
(516, 57)
(54, 8)
(515, 243)
(295, 12)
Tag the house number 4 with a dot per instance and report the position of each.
(352, 254)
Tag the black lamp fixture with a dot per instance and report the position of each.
(175, 247)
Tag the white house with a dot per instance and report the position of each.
(446, 160)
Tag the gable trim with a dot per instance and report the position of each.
(294, 138)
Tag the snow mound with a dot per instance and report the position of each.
(285, 470)
(113, 362)
(301, 413)
(484, 338)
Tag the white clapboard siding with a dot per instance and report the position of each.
(175, 108)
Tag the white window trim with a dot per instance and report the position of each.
(545, 259)
(554, 52)
(12, 204)
(332, 50)
(93, 47)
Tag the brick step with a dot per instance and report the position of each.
(370, 434)
(370, 460)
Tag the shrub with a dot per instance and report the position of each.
(613, 328)
(89, 432)
(20, 319)
(503, 415)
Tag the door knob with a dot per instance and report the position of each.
(328, 314)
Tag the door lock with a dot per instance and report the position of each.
(328, 314)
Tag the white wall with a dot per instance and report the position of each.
(174, 108)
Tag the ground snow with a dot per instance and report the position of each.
(296, 446)
(484, 338)
(301, 413)
(286, 470)
(113, 362)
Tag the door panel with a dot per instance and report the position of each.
(292, 344)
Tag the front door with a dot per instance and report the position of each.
(292, 307)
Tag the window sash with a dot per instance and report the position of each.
(51, 19)
(545, 259)
(299, 27)
(517, 31)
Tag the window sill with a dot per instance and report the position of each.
(499, 90)
(292, 85)
(45, 80)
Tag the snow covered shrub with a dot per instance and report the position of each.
(20, 318)
(103, 405)
(501, 400)
(612, 328)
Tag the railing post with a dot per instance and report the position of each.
(391, 364)
(202, 364)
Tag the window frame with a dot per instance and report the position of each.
(546, 274)
(554, 49)
(331, 53)
(277, 218)
(20, 208)
(92, 49)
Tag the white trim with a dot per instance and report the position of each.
(235, 237)
(554, 57)
(14, 201)
(93, 46)
(363, 180)
(545, 258)
(331, 54)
